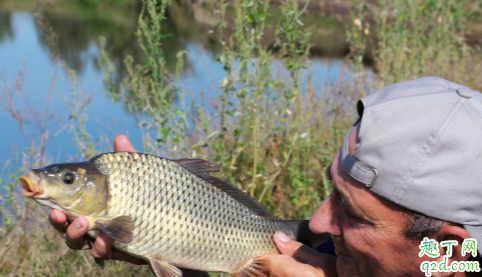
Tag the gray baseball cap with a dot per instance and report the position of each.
(421, 148)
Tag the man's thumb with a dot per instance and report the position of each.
(285, 245)
(295, 249)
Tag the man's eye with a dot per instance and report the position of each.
(337, 199)
(355, 218)
(347, 210)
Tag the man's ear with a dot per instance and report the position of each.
(453, 233)
(454, 236)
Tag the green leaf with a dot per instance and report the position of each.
(236, 132)
(165, 132)
(161, 36)
(10, 200)
(148, 64)
(182, 115)
(262, 14)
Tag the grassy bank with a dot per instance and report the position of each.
(271, 130)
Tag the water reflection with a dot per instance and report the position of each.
(78, 28)
(6, 31)
(77, 31)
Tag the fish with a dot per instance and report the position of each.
(171, 213)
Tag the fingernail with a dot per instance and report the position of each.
(52, 215)
(78, 224)
(282, 237)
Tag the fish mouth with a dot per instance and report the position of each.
(31, 185)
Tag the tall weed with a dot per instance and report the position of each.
(272, 134)
(29, 246)
(413, 39)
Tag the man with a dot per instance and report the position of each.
(409, 169)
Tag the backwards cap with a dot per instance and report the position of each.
(421, 148)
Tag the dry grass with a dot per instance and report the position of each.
(31, 247)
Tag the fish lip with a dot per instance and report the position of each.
(31, 185)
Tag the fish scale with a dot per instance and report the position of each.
(152, 186)
(167, 212)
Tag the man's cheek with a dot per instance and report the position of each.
(347, 266)
(363, 244)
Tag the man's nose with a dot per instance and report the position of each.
(324, 219)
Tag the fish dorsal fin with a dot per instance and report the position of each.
(199, 168)
(162, 269)
(233, 191)
(239, 195)
(197, 165)
(119, 228)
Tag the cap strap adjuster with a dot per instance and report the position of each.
(352, 167)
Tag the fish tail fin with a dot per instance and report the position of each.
(303, 234)
(253, 268)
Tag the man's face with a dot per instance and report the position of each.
(368, 231)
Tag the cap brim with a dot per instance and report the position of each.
(475, 232)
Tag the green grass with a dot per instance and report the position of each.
(413, 39)
(273, 134)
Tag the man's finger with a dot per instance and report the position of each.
(102, 249)
(302, 253)
(75, 237)
(122, 143)
(58, 220)
(294, 249)
(285, 266)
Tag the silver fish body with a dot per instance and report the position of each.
(172, 214)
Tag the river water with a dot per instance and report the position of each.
(24, 41)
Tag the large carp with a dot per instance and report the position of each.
(170, 213)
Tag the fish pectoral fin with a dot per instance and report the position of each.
(119, 228)
(162, 269)
(254, 268)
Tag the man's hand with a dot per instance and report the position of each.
(75, 232)
(297, 259)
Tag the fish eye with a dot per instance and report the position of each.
(68, 178)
